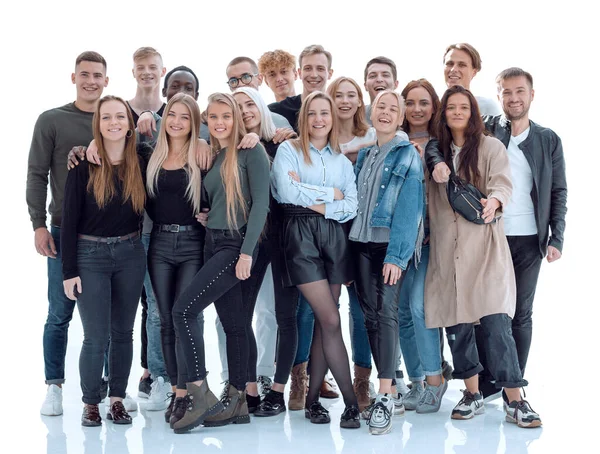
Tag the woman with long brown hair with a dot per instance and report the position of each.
(470, 276)
(237, 192)
(103, 258)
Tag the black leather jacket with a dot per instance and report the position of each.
(543, 150)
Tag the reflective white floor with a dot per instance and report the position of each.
(555, 352)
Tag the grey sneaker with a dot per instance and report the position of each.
(412, 398)
(398, 404)
(380, 421)
(521, 414)
(401, 386)
(469, 406)
(431, 399)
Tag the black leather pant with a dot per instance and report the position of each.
(379, 303)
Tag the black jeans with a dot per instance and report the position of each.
(379, 303)
(498, 345)
(112, 276)
(174, 258)
(527, 263)
(217, 282)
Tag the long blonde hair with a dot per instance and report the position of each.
(302, 143)
(230, 172)
(101, 182)
(161, 152)
(360, 127)
(267, 127)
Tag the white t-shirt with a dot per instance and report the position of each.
(352, 148)
(519, 214)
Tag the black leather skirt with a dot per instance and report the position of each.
(315, 248)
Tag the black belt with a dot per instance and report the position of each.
(176, 228)
(110, 239)
(296, 210)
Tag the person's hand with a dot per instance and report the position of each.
(91, 154)
(44, 243)
(75, 155)
(419, 148)
(441, 173)
(391, 273)
(489, 209)
(204, 155)
(146, 124)
(294, 176)
(202, 217)
(283, 134)
(242, 269)
(249, 141)
(72, 287)
(337, 194)
(553, 254)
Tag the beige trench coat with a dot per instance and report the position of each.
(470, 272)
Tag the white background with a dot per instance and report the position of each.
(556, 42)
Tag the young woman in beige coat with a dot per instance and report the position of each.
(470, 276)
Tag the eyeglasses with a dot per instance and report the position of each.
(246, 79)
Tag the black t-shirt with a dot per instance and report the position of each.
(171, 204)
(136, 117)
(289, 108)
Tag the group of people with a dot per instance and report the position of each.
(270, 211)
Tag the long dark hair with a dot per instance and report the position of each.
(467, 166)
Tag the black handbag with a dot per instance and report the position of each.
(465, 198)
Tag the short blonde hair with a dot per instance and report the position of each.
(145, 52)
(313, 50)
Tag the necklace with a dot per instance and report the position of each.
(419, 135)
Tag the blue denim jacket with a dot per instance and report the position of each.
(400, 202)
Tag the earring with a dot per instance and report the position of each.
(129, 133)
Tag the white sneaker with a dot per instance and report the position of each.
(372, 391)
(380, 420)
(398, 404)
(52, 405)
(158, 399)
(401, 387)
(129, 403)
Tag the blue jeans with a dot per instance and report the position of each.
(156, 362)
(60, 313)
(361, 350)
(420, 346)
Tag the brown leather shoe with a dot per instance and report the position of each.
(117, 413)
(201, 403)
(235, 412)
(361, 386)
(91, 416)
(298, 386)
(328, 389)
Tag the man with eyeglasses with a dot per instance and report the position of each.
(243, 72)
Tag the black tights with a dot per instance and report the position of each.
(328, 347)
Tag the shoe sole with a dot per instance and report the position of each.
(269, 413)
(531, 425)
(322, 420)
(243, 419)
(398, 411)
(143, 395)
(51, 414)
(459, 417)
(384, 431)
(109, 417)
(428, 410)
(88, 424)
(217, 408)
(350, 425)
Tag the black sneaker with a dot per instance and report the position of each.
(350, 418)
(253, 402)
(317, 414)
(271, 405)
(145, 387)
(169, 410)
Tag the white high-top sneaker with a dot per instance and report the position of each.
(52, 405)
(159, 399)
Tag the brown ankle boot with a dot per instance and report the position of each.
(202, 403)
(298, 386)
(361, 386)
(235, 412)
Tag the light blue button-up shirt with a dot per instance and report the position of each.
(329, 170)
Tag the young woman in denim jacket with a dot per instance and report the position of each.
(386, 233)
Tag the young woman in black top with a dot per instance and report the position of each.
(103, 258)
(176, 247)
(237, 188)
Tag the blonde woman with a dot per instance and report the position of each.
(237, 190)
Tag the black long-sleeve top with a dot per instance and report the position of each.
(171, 204)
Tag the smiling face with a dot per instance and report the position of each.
(515, 95)
(181, 82)
(314, 72)
(379, 78)
(281, 81)
(458, 68)
(458, 112)
(387, 114)
(114, 122)
(90, 79)
(346, 101)
(237, 71)
(220, 122)
(319, 120)
(178, 121)
(148, 71)
(250, 112)
(419, 109)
